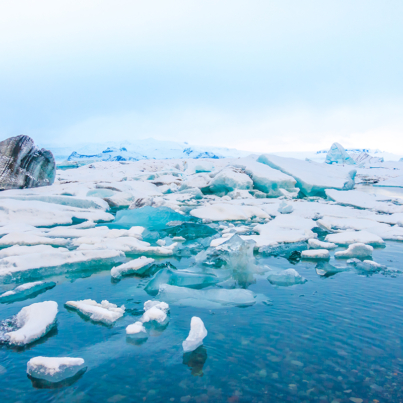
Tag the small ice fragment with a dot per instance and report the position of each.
(357, 250)
(54, 369)
(104, 312)
(154, 314)
(178, 239)
(315, 254)
(34, 321)
(366, 265)
(136, 330)
(136, 266)
(161, 242)
(286, 278)
(196, 335)
(316, 244)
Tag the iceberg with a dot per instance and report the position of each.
(33, 322)
(266, 179)
(286, 278)
(54, 369)
(196, 335)
(26, 291)
(355, 250)
(229, 179)
(312, 178)
(137, 266)
(338, 155)
(105, 312)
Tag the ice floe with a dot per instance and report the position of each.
(25, 291)
(285, 278)
(104, 312)
(196, 335)
(33, 322)
(355, 250)
(315, 254)
(137, 266)
(54, 369)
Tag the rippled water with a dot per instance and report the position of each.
(338, 337)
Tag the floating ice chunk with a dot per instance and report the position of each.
(51, 263)
(283, 229)
(24, 291)
(27, 239)
(228, 212)
(285, 208)
(178, 239)
(196, 335)
(54, 369)
(136, 266)
(366, 265)
(39, 213)
(266, 179)
(355, 250)
(104, 312)
(312, 178)
(359, 199)
(229, 179)
(221, 297)
(350, 237)
(326, 269)
(124, 244)
(154, 314)
(180, 278)
(34, 321)
(316, 244)
(163, 306)
(136, 330)
(286, 278)
(315, 254)
(338, 155)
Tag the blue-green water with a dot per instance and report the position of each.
(330, 339)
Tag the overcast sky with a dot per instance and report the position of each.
(255, 75)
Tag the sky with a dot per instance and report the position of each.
(257, 75)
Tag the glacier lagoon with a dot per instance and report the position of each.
(335, 336)
(328, 330)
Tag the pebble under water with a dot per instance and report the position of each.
(332, 339)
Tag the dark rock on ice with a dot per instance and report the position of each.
(22, 165)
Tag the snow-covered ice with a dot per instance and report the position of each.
(316, 254)
(350, 237)
(104, 312)
(33, 322)
(355, 250)
(136, 266)
(196, 335)
(54, 369)
(316, 244)
(136, 330)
